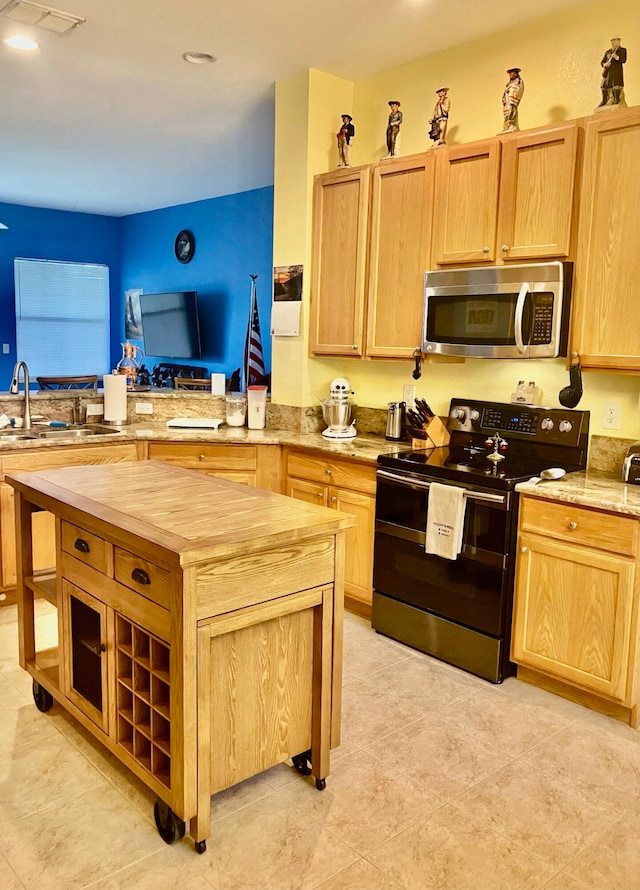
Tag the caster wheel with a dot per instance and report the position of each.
(201, 846)
(302, 762)
(42, 698)
(170, 828)
(321, 784)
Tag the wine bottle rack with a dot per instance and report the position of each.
(143, 698)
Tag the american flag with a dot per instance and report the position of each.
(253, 357)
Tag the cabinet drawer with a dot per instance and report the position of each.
(202, 456)
(88, 548)
(347, 474)
(144, 577)
(578, 525)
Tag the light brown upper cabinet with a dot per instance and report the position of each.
(510, 198)
(401, 217)
(340, 240)
(378, 249)
(606, 305)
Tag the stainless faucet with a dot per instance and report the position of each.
(15, 390)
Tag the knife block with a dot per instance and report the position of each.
(437, 435)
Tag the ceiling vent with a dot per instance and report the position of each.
(28, 13)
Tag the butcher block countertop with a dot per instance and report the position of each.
(190, 517)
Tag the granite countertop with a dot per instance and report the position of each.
(362, 448)
(603, 491)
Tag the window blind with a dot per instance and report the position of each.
(62, 317)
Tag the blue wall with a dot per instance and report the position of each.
(234, 236)
(54, 235)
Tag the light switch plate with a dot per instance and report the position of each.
(144, 408)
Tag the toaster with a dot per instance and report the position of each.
(631, 464)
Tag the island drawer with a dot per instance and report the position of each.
(146, 578)
(579, 525)
(88, 548)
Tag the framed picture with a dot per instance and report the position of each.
(132, 316)
(287, 283)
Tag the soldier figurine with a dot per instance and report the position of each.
(511, 100)
(612, 75)
(344, 135)
(393, 127)
(440, 118)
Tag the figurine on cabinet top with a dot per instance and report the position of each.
(393, 128)
(440, 118)
(612, 75)
(511, 100)
(344, 136)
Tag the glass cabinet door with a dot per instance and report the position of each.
(85, 647)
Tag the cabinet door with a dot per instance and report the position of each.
(340, 233)
(466, 203)
(605, 328)
(307, 491)
(358, 568)
(85, 653)
(537, 180)
(402, 208)
(573, 614)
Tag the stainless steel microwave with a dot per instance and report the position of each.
(519, 311)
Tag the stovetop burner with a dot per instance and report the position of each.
(536, 439)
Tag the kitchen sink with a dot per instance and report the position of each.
(80, 432)
(15, 437)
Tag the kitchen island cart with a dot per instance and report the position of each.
(199, 626)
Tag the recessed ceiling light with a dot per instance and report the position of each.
(199, 58)
(20, 42)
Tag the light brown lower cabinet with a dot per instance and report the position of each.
(575, 621)
(44, 538)
(347, 486)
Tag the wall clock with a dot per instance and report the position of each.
(185, 246)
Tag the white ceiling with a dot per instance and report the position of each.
(109, 119)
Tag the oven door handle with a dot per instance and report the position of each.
(424, 485)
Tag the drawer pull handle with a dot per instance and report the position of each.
(201, 457)
(333, 499)
(320, 494)
(328, 472)
(140, 576)
(524, 549)
(572, 525)
(82, 545)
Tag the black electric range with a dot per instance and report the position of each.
(460, 610)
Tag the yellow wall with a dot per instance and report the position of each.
(560, 61)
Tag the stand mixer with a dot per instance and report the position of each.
(337, 410)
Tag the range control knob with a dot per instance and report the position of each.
(459, 414)
(474, 415)
(565, 426)
(547, 423)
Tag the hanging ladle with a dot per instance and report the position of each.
(547, 475)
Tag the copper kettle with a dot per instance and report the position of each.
(129, 365)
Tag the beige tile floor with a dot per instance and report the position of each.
(442, 782)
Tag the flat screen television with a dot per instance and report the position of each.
(170, 324)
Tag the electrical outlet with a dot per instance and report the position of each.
(409, 394)
(144, 408)
(94, 409)
(611, 415)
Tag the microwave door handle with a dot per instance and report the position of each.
(522, 296)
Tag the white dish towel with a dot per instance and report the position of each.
(445, 520)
